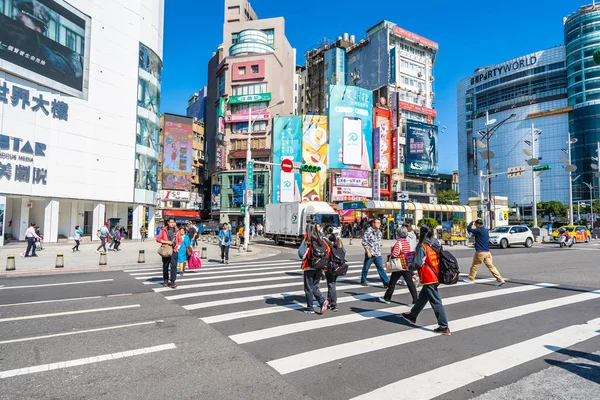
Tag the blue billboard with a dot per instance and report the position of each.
(421, 149)
(287, 143)
(350, 128)
(335, 67)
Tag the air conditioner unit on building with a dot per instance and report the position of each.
(420, 74)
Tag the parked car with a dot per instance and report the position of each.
(506, 236)
(581, 233)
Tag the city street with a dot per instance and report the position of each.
(121, 334)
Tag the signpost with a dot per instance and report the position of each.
(515, 172)
(287, 165)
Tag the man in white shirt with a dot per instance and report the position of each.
(30, 236)
(412, 236)
(102, 234)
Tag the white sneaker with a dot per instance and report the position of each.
(500, 283)
(97, 252)
(467, 280)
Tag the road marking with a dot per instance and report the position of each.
(60, 314)
(84, 361)
(282, 330)
(442, 380)
(296, 305)
(64, 300)
(79, 332)
(198, 272)
(321, 356)
(222, 266)
(56, 284)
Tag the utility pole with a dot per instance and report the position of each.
(249, 184)
(570, 183)
(533, 156)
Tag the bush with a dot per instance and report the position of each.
(430, 222)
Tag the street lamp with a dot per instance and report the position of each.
(533, 162)
(570, 168)
(591, 187)
(248, 191)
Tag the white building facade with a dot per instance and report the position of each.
(79, 115)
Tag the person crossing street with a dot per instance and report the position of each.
(225, 240)
(372, 245)
(482, 253)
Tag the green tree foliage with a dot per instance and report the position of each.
(554, 209)
(448, 197)
(430, 222)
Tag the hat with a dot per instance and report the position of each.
(36, 11)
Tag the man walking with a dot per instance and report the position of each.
(225, 240)
(372, 245)
(31, 237)
(103, 233)
(412, 236)
(193, 234)
(482, 253)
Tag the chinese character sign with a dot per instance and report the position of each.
(287, 144)
(20, 98)
(382, 123)
(177, 156)
(314, 152)
(421, 149)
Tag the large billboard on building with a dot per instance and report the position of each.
(47, 42)
(177, 154)
(335, 67)
(287, 144)
(314, 152)
(421, 149)
(351, 128)
(384, 152)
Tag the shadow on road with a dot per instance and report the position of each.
(587, 371)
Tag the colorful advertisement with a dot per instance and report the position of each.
(421, 149)
(177, 156)
(314, 152)
(382, 123)
(351, 128)
(46, 42)
(353, 178)
(287, 144)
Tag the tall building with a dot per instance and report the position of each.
(534, 88)
(197, 105)
(79, 103)
(254, 68)
(582, 41)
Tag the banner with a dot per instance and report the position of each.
(421, 149)
(287, 144)
(382, 123)
(353, 178)
(177, 156)
(314, 152)
(376, 185)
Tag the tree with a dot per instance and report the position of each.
(552, 209)
(430, 222)
(448, 197)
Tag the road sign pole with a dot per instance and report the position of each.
(534, 205)
(570, 184)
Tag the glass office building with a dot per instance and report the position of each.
(534, 88)
(582, 39)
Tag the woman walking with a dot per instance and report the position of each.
(167, 239)
(117, 239)
(401, 252)
(309, 249)
(183, 242)
(77, 236)
(334, 243)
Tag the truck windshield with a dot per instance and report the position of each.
(327, 219)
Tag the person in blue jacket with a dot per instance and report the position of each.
(225, 240)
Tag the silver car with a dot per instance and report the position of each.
(505, 236)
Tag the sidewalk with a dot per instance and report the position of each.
(87, 260)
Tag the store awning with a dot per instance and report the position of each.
(352, 205)
(389, 205)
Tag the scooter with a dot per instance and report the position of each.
(564, 241)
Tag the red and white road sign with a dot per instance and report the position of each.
(287, 165)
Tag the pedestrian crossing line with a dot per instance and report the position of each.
(220, 266)
(62, 300)
(324, 355)
(440, 381)
(56, 284)
(299, 305)
(60, 314)
(84, 361)
(282, 330)
(193, 278)
(28, 339)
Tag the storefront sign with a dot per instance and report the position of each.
(510, 67)
(243, 117)
(414, 37)
(351, 191)
(376, 184)
(174, 195)
(395, 148)
(20, 97)
(352, 182)
(393, 65)
(17, 151)
(181, 213)
(250, 98)
(418, 109)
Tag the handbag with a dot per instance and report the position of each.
(398, 264)
(165, 251)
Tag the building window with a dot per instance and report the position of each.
(242, 71)
(235, 109)
(250, 89)
(255, 69)
(242, 127)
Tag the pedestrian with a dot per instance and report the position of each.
(103, 233)
(482, 253)
(252, 231)
(401, 251)
(426, 262)
(77, 236)
(143, 232)
(31, 238)
(334, 243)
(241, 234)
(168, 237)
(117, 238)
(372, 244)
(225, 240)
(193, 234)
(40, 239)
(111, 237)
(312, 244)
(412, 236)
(183, 242)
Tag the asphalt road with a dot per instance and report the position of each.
(238, 331)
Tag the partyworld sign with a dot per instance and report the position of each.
(504, 69)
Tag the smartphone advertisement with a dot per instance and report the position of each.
(350, 128)
(314, 152)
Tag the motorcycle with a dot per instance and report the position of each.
(565, 240)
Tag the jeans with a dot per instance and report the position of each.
(170, 263)
(117, 244)
(76, 247)
(429, 293)
(331, 289)
(486, 257)
(311, 288)
(407, 275)
(378, 260)
(224, 253)
(102, 244)
(30, 246)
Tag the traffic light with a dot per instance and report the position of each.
(243, 210)
(310, 168)
(539, 168)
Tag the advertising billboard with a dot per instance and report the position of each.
(177, 155)
(382, 124)
(351, 128)
(335, 67)
(314, 152)
(287, 144)
(47, 42)
(421, 149)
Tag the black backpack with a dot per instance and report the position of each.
(337, 263)
(449, 271)
(318, 258)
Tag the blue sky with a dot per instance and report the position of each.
(471, 35)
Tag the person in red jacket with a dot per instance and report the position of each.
(426, 262)
(168, 237)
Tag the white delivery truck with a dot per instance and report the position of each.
(286, 222)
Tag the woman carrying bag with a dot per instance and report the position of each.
(183, 242)
(314, 253)
(398, 263)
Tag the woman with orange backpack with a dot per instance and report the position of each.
(315, 254)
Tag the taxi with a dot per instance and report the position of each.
(582, 233)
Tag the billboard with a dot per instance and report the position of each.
(287, 144)
(421, 149)
(47, 42)
(382, 126)
(177, 152)
(351, 128)
(314, 152)
(335, 67)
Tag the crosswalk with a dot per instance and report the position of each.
(365, 350)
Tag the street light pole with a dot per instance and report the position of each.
(488, 171)
(570, 183)
(591, 187)
(533, 156)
